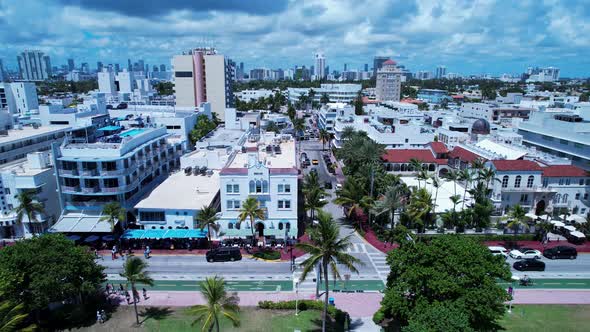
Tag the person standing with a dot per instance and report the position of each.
(144, 293)
(98, 317)
(114, 253)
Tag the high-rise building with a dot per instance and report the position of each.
(126, 81)
(162, 67)
(99, 66)
(85, 68)
(19, 97)
(140, 65)
(155, 68)
(106, 82)
(1, 71)
(71, 65)
(366, 67)
(441, 72)
(388, 82)
(345, 67)
(202, 75)
(129, 66)
(377, 63)
(34, 66)
(320, 66)
(117, 68)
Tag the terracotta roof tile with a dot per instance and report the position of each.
(464, 155)
(439, 147)
(516, 165)
(564, 170)
(405, 155)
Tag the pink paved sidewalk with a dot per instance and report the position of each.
(356, 304)
(551, 296)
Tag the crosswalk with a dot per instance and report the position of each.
(307, 285)
(379, 261)
(357, 248)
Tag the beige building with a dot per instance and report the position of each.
(388, 82)
(203, 75)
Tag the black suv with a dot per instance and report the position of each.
(561, 252)
(224, 254)
(529, 265)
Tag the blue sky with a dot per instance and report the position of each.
(469, 37)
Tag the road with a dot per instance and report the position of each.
(559, 268)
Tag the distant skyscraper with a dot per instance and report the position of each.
(34, 66)
(388, 86)
(320, 66)
(71, 65)
(1, 71)
(345, 67)
(117, 68)
(129, 66)
(140, 65)
(155, 68)
(203, 75)
(162, 67)
(85, 67)
(441, 72)
(366, 67)
(377, 63)
(99, 66)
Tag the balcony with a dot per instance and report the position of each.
(116, 189)
(105, 172)
(72, 189)
(90, 190)
(536, 189)
(84, 205)
(72, 172)
(89, 172)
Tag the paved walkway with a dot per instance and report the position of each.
(551, 296)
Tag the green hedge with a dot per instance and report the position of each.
(341, 317)
(268, 254)
(492, 237)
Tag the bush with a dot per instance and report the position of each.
(268, 254)
(341, 317)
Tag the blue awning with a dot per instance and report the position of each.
(163, 234)
(133, 234)
(110, 128)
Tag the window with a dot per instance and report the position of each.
(557, 198)
(561, 182)
(581, 182)
(284, 188)
(564, 198)
(567, 181)
(545, 182)
(284, 204)
(152, 216)
(252, 186)
(264, 186)
(183, 74)
(280, 226)
(505, 181)
(547, 138)
(517, 181)
(563, 141)
(530, 181)
(258, 186)
(577, 195)
(524, 198)
(233, 188)
(588, 182)
(230, 226)
(583, 210)
(233, 204)
(586, 196)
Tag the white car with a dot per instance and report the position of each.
(498, 251)
(525, 253)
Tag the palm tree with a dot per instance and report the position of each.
(353, 197)
(416, 164)
(487, 175)
(347, 132)
(207, 218)
(420, 207)
(392, 200)
(315, 200)
(310, 182)
(452, 175)
(436, 184)
(478, 164)
(466, 176)
(219, 304)
(327, 250)
(422, 175)
(251, 210)
(324, 99)
(12, 317)
(324, 137)
(113, 213)
(298, 126)
(135, 272)
(29, 207)
(517, 217)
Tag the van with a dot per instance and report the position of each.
(499, 251)
(561, 252)
(224, 254)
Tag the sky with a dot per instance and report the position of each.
(468, 37)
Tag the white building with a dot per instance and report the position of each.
(343, 93)
(388, 86)
(20, 98)
(126, 81)
(451, 138)
(106, 81)
(320, 66)
(265, 168)
(441, 72)
(33, 174)
(330, 112)
(17, 143)
(203, 75)
(250, 95)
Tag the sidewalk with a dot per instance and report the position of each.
(551, 296)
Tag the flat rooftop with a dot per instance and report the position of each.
(21, 167)
(182, 192)
(270, 157)
(445, 191)
(30, 132)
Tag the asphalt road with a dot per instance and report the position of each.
(559, 268)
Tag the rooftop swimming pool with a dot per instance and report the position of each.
(131, 132)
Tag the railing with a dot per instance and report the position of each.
(90, 190)
(89, 172)
(82, 205)
(70, 188)
(68, 171)
(116, 189)
(529, 189)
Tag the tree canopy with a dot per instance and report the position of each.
(47, 269)
(448, 271)
(203, 126)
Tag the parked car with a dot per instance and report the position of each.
(561, 252)
(498, 251)
(529, 265)
(315, 162)
(525, 253)
(328, 185)
(338, 186)
(224, 254)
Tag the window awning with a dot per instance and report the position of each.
(164, 234)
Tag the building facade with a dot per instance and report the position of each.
(388, 86)
(320, 66)
(34, 66)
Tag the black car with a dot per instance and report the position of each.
(328, 185)
(224, 254)
(529, 265)
(561, 252)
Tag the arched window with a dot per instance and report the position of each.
(557, 198)
(564, 199)
(238, 225)
(280, 226)
(431, 168)
(230, 226)
(264, 186)
(505, 181)
(252, 186)
(404, 167)
(530, 181)
(396, 167)
(517, 181)
(258, 186)
(288, 225)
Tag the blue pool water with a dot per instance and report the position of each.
(131, 132)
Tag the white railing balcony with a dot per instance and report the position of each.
(90, 190)
(70, 189)
(68, 171)
(538, 189)
(89, 172)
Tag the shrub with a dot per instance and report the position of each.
(341, 317)
(268, 254)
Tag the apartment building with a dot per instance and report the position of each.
(337, 92)
(388, 86)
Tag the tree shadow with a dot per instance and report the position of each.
(156, 313)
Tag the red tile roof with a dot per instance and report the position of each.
(439, 147)
(464, 155)
(564, 170)
(283, 171)
(389, 62)
(412, 101)
(234, 171)
(516, 165)
(405, 155)
(244, 171)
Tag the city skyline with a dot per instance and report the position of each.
(281, 34)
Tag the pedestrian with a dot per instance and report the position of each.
(98, 317)
(103, 315)
(108, 289)
(144, 293)
(121, 289)
(122, 253)
(128, 297)
(114, 253)
(146, 252)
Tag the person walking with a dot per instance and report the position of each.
(146, 252)
(114, 253)
(144, 293)
(103, 316)
(128, 297)
(98, 317)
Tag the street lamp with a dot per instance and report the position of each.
(296, 297)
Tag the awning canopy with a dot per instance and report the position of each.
(80, 223)
(557, 223)
(570, 228)
(531, 215)
(74, 237)
(164, 234)
(578, 234)
(579, 219)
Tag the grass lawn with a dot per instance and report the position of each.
(539, 318)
